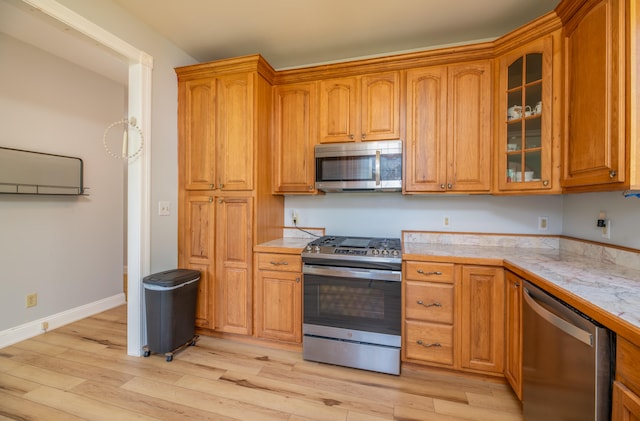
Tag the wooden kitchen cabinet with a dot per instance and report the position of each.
(448, 140)
(600, 63)
(215, 132)
(295, 135)
(278, 292)
(528, 117)
(481, 313)
(198, 253)
(428, 303)
(225, 200)
(453, 316)
(626, 387)
(360, 108)
(513, 332)
(233, 295)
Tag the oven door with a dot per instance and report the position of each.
(364, 300)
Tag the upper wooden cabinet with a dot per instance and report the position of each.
(448, 144)
(216, 132)
(601, 98)
(528, 117)
(360, 108)
(295, 135)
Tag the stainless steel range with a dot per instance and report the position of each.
(352, 299)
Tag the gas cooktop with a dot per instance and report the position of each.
(355, 246)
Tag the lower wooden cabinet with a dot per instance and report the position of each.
(454, 316)
(626, 387)
(278, 297)
(513, 332)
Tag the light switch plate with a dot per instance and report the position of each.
(164, 208)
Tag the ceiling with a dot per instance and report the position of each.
(294, 33)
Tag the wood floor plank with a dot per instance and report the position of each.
(17, 408)
(207, 401)
(81, 406)
(143, 404)
(45, 377)
(467, 412)
(15, 385)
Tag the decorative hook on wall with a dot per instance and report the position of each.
(130, 124)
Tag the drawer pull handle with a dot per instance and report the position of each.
(279, 263)
(422, 272)
(435, 344)
(298, 279)
(429, 305)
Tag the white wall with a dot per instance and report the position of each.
(387, 214)
(68, 250)
(581, 211)
(164, 130)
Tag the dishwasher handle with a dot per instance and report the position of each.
(568, 328)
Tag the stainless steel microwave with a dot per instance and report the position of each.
(359, 166)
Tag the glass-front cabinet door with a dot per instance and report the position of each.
(525, 155)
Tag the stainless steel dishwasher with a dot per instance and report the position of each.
(567, 361)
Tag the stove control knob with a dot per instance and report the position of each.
(307, 249)
(316, 249)
(395, 253)
(385, 252)
(375, 252)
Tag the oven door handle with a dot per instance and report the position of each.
(369, 274)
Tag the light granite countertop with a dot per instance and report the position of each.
(603, 282)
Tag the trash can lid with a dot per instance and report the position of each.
(171, 277)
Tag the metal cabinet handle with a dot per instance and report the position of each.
(298, 280)
(431, 345)
(442, 186)
(220, 201)
(351, 136)
(212, 186)
(210, 199)
(279, 263)
(220, 185)
(449, 186)
(613, 173)
(364, 136)
(434, 304)
(422, 272)
(545, 183)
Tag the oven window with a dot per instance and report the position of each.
(366, 305)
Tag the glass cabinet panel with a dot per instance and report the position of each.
(524, 119)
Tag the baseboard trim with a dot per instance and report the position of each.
(34, 328)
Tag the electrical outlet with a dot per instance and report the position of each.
(294, 217)
(446, 221)
(164, 208)
(32, 300)
(44, 326)
(543, 223)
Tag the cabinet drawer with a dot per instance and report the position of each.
(429, 302)
(279, 262)
(431, 272)
(429, 342)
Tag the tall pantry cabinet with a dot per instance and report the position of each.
(225, 178)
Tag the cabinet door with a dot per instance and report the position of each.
(233, 265)
(196, 130)
(513, 334)
(626, 404)
(279, 306)
(235, 140)
(527, 118)
(469, 127)
(482, 318)
(295, 112)
(594, 137)
(339, 110)
(426, 142)
(198, 252)
(380, 106)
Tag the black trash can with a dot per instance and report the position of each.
(170, 299)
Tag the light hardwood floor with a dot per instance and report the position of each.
(81, 371)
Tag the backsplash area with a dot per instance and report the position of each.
(597, 251)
